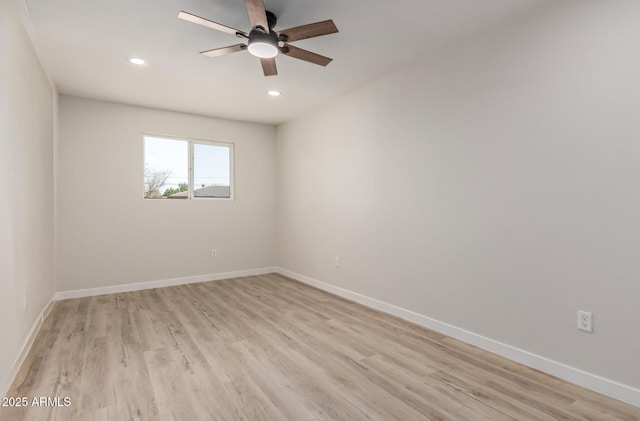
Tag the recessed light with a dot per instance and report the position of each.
(274, 93)
(137, 61)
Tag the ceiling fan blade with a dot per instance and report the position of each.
(269, 66)
(309, 31)
(208, 23)
(257, 14)
(224, 50)
(305, 55)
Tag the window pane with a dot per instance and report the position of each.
(211, 171)
(166, 168)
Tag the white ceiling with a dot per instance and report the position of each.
(84, 46)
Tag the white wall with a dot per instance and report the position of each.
(109, 235)
(494, 187)
(26, 206)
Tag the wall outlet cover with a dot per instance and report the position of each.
(585, 321)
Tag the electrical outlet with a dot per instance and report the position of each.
(585, 320)
(214, 253)
(337, 261)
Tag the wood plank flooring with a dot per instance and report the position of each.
(270, 348)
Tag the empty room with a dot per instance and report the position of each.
(320, 210)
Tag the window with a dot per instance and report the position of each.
(187, 169)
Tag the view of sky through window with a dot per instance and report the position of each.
(211, 165)
(167, 155)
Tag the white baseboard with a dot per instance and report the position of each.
(139, 286)
(26, 347)
(574, 375)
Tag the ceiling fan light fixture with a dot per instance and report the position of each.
(262, 45)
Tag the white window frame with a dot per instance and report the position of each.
(191, 158)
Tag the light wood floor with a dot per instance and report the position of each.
(269, 348)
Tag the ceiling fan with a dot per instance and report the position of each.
(263, 41)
